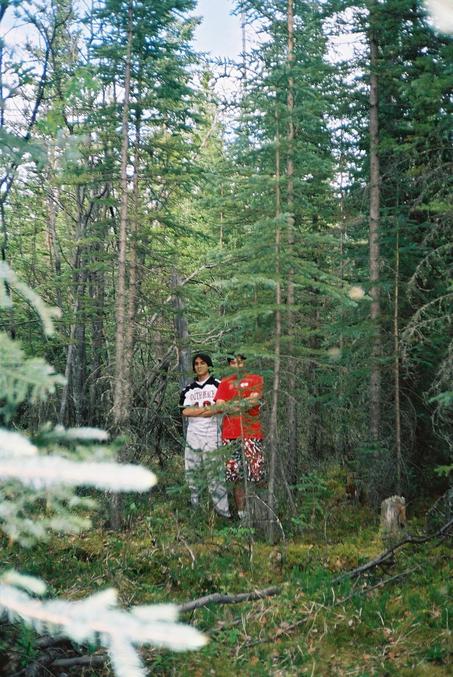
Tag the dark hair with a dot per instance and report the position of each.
(203, 356)
(232, 356)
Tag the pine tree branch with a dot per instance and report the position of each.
(98, 620)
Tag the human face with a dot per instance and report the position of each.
(201, 369)
(237, 362)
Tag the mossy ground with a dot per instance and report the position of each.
(313, 627)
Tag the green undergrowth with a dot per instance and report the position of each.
(392, 622)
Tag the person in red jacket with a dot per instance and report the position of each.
(238, 396)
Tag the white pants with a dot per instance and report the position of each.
(200, 454)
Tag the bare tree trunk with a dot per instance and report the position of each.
(374, 227)
(182, 339)
(2, 96)
(67, 374)
(273, 426)
(181, 333)
(133, 284)
(74, 373)
(221, 219)
(52, 200)
(396, 347)
(244, 52)
(79, 363)
(97, 299)
(74, 370)
(290, 299)
(120, 388)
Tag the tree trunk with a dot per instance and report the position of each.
(396, 348)
(133, 268)
(121, 388)
(97, 301)
(244, 53)
(52, 200)
(374, 227)
(74, 370)
(290, 299)
(273, 426)
(181, 333)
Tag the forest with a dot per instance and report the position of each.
(292, 206)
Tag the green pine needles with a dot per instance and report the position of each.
(38, 480)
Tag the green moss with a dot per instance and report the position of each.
(312, 627)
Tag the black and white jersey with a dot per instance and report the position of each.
(200, 395)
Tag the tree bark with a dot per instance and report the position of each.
(290, 297)
(98, 357)
(181, 333)
(396, 348)
(273, 426)
(374, 228)
(221, 598)
(52, 201)
(74, 370)
(121, 386)
(244, 53)
(133, 270)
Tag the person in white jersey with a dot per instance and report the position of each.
(203, 435)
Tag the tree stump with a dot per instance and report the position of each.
(258, 517)
(393, 520)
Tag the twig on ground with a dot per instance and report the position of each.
(386, 556)
(185, 544)
(87, 661)
(220, 598)
(375, 587)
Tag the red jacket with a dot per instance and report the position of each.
(247, 424)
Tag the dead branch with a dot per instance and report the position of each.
(365, 591)
(87, 661)
(48, 662)
(47, 642)
(386, 557)
(220, 598)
